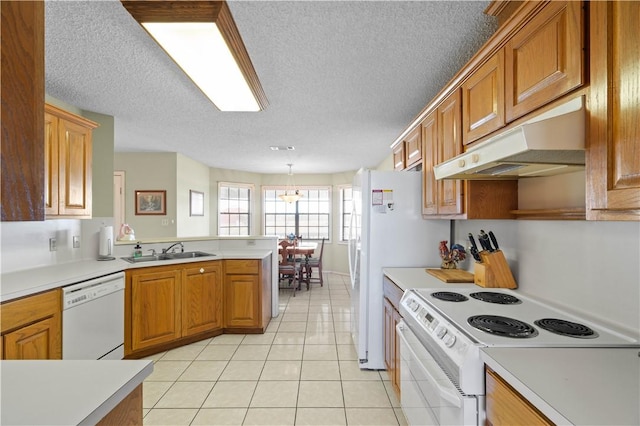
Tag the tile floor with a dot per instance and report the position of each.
(302, 371)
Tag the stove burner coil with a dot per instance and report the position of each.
(449, 296)
(566, 328)
(492, 297)
(502, 326)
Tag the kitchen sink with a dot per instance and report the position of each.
(167, 256)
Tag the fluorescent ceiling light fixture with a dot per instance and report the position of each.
(203, 40)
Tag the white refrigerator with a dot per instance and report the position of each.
(386, 230)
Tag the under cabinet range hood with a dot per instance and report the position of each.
(549, 144)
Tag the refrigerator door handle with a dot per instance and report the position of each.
(352, 247)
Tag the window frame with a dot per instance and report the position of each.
(249, 214)
(344, 215)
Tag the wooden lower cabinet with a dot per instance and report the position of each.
(32, 327)
(202, 299)
(505, 406)
(391, 302)
(247, 288)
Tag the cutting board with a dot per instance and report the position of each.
(452, 275)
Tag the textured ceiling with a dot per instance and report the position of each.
(343, 78)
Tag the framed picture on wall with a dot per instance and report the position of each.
(151, 202)
(196, 203)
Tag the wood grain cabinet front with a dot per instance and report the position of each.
(32, 327)
(202, 298)
(399, 157)
(391, 302)
(68, 186)
(247, 293)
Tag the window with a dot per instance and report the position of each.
(234, 208)
(346, 204)
(308, 217)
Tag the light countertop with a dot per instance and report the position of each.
(406, 278)
(581, 386)
(66, 392)
(30, 281)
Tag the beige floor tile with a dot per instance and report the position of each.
(320, 326)
(215, 352)
(321, 416)
(169, 417)
(203, 342)
(350, 370)
(320, 353)
(344, 338)
(320, 309)
(360, 394)
(320, 394)
(242, 370)
(320, 370)
(296, 317)
(207, 371)
(185, 395)
(154, 357)
(251, 353)
(347, 352)
(341, 315)
(342, 326)
(145, 411)
(183, 353)
(393, 397)
(275, 394)
(285, 352)
(152, 392)
(288, 338)
(220, 417)
(297, 309)
(167, 371)
(236, 394)
(259, 339)
(281, 370)
(272, 327)
(227, 339)
(293, 326)
(371, 416)
(400, 416)
(320, 316)
(270, 416)
(319, 338)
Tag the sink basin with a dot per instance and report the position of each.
(185, 255)
(167, 256)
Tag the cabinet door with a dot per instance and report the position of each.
(242, 301)
(449, 145)
(388, 336)
(483, 100)
(51, 164)
(613, 156)
(201, 298)
(398, 157)
(544, 59)
(413, 148)
(35, 341)
(155, 313)
(429, 161)
(395, 379)
(75, 169)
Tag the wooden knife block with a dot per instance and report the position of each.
(494, 271)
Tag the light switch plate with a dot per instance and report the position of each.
(52, 244)
(76, 241)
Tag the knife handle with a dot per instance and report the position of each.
(493, 240)
(472, 241)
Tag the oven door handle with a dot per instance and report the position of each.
(451, 393)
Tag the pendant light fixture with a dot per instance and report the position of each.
(291, 193)
(202, 38)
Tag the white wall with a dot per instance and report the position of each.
(191, 175)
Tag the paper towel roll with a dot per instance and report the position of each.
(105, 246)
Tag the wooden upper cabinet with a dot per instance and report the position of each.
(483, 99)
(545, 58)
(413, 148)
(398, 157)
(68, 150)
(22, 92)
(613, 154)
(450, 145)
(429, 160)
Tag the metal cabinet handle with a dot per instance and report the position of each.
(202, 270)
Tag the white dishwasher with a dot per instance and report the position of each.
(93, 318)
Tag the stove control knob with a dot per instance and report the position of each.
(414, 305)
(440, 332)
(449, 340)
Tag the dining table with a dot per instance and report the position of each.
(305, 249)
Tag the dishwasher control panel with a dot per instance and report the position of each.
(77, 294)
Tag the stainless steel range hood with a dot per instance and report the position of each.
(549, 144)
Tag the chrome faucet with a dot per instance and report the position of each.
(172, 245)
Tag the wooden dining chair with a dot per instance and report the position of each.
(315, 262)
(289, 270)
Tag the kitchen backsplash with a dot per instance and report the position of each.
(592, 268)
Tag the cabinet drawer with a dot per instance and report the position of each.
(392, 292)
(20, 312)
(242, 266)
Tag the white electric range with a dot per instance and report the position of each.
(442, 374)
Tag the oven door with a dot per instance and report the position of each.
(428, 397)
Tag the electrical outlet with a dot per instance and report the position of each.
(165, 222)
(52, 244)
(76, 241)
